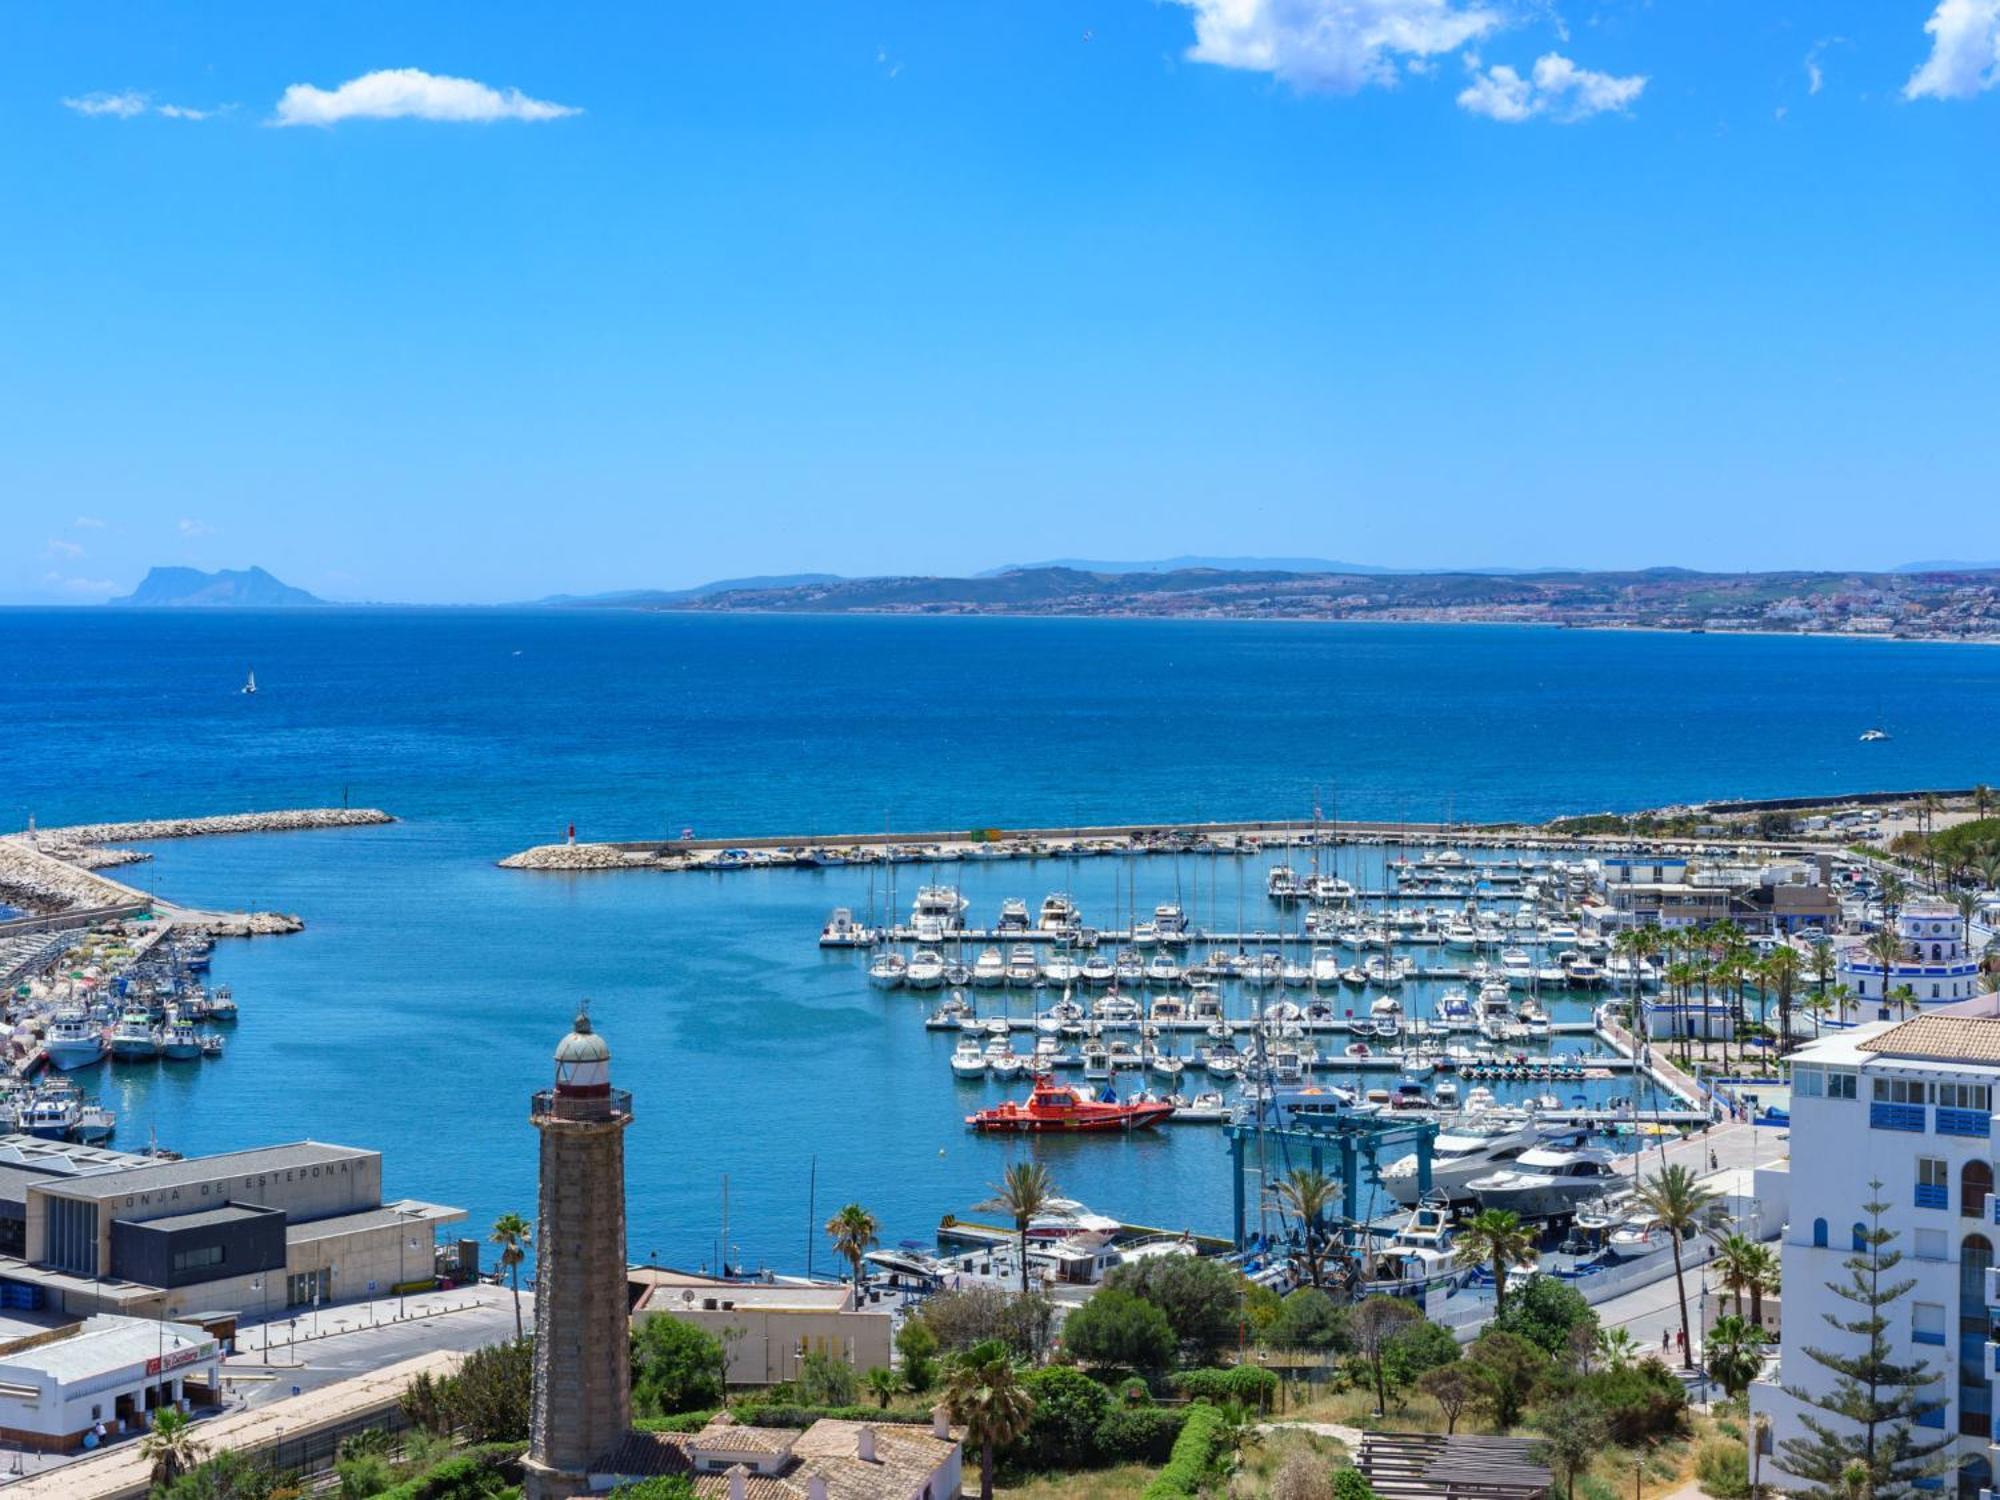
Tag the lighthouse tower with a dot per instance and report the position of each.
(583, 1383)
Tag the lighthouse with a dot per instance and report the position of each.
(583, 1381)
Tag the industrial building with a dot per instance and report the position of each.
(76, 1386)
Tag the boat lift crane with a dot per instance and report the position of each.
(1356, 1141)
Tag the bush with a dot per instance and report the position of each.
(1640, 1402)
(1195, 1457)
(227, 1476)
(1722, 1469)
(1133, 1391)
(1304, 1475)
(685, 1421)
(1419, 1347)
(1510, 1370)
(1309, 1319)
(1138, 1435)
(1202, 1298)
(959, 1320)
(474, 1474)
(1069, 1408)
(363, 1475)
(1543, 1311)
(918, 1346)
(659, 1487)
(1351, 1484)
(676, 1366)
(1252, 1385)
(1117, 1328)
(791, 1414)
(488, 1399)
(826, 1380)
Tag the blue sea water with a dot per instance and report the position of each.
(417, 1011)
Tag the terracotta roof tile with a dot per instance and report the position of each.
(1945, 1038)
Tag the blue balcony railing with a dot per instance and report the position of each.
(1933, 1195)
(1931, 1416)
(1977, 1123)
(1896, 1117)
(1926, 1336)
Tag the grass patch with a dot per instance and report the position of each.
(1122, 1483)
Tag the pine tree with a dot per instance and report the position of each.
(1876, 1398)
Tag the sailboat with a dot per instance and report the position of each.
(1870, 736)
(250, 682)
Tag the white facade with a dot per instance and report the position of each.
(1870, 1105)
(99, 1378)
(1936, 965)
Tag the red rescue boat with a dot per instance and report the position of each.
(1059, 1106)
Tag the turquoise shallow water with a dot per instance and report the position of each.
(417, 1011)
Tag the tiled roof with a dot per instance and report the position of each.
(906, 1457)
(1947, 1038)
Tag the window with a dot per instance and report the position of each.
(1927, 1322)
(1965, 1095)
(1933, 1182)
(1819, 1234)
(1860, 1237)
(1902, 1091)
(1808, 1083)
(1929, 1245)
(1975, 1186)
(1840, 1084)
(197, 1259)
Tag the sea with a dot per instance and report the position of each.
(418, 1010)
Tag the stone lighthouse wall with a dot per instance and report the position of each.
(583, 1382)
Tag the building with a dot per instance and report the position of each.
(1766, 900)
(1910, 1105)
(583, 1379)
(71, 1387)
(770, 1325)
(251, 1232)
(827, 1461)
(1937, 965)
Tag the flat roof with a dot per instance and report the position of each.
(172, 1174)
(228, 1213)
(106, 1341)
(404, 1210)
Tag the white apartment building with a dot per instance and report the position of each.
(1937, 965)
(1908, 1104)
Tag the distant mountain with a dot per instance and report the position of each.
(1947, 567)
(1306, 565)
(657, 598)
(231, 588)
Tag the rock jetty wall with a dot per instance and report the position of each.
(282, 820)
(37, 881)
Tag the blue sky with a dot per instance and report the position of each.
(481, 302)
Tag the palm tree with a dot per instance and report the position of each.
(1817, 1007)
(1887, 950)
(1905, 1000)
(1616, 1347)
(854, 1231)
(1024, 1190)
(1683, 1206)
(1781, 972)
(1982, 799)
(1495, 1239)
(1309, 1193)
(1735, 1353)
(882, 1383)
(171, 1446)
(1766, 1272)
(1736, 1265)
(1843, 996)
(1988, 866)
(511, 1233)
(987, 1399)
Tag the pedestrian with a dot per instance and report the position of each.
(1681, 1339)
(1663, 1340)
(1712, 1162)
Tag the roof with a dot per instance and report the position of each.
(582, 1044)
(724, 1434)
(677, 1291)
(103, 1342)
(386, 1217)
(1942, 1037)
(906, 1457)
(228, 1213)
(171, 1174)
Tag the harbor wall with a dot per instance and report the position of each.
(279, 820)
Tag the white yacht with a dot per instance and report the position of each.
(1061, 971)
(941, 903)
(1129, 969)
(1162, 970)
(1325, 971)
(1282, 884)
(1098, 970)
(1517, 966)
(1294, 975)
(989, 969)
(1022, 970)
(1546, 1181)
(1066, 1219)
(1419, 1256)
(842, 931)
(1058, 913)
(968, 1058)
(1469, 1146)
(1013, 915)
(925, 970)
(887, 971)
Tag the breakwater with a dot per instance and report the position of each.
(278, 820)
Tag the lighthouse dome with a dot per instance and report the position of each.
(583, 1045)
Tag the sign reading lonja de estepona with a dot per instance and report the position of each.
(250, 1184)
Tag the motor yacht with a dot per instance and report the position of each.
(1162, 970)
(1061, 971)
(1130, 969)
(1013, 915)
(942, 904)
(1023, 972)
(1547, 1181)
(989, 969)
(1098, 970)
(1294, 975)
(1058, 913)
(1418, 1257)
(1169, 923)
(1516, 966)
(968, 1058)
(925, 970)
(1468, 1146)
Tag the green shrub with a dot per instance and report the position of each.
(363, 1475)
(1195, 1458)
(1120, 1328)
(473, 1474)
(676, 1366)
(1253, 1385)
(1133, 1391)
(1722, 1469)
(827, 1380)
(659, 1487)
(1351, 1484)
(1069, 1406)
(684, 1421)
(1641, 1402)
(1544, 1310)
(791, 1414)
(1139, 1434)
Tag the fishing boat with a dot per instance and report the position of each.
(52, 1114)
(74, 1041)
(1418, 1257)
(182, 1043)
(221, 1004)
(93, 1123)
(135, 1038)
(1056, 1107)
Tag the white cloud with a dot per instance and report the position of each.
(88, 523)
(1340, 45)
(1965, 51)
(122, 106)
(1556, 89)
(132, 103)
(1815, 74)
(189, 527)
(59, 548)
(412, 94)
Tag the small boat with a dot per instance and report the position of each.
(1868, 736)
(887, 971)
(74, 1041)
(135, 1038)
(968, 1059)
(211, 1048)
(842, 931)
(1061, 971)
(94, 1123)
(1162, 970)
(1202, 1109)
(1023, 973)
(182, 1042)
(925, 970)
(1098, 970)
(250, 689)
(1167, 1064)
(1058, 1107)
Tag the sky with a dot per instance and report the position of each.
(482, 302)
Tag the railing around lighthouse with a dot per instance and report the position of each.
(556, 1104)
